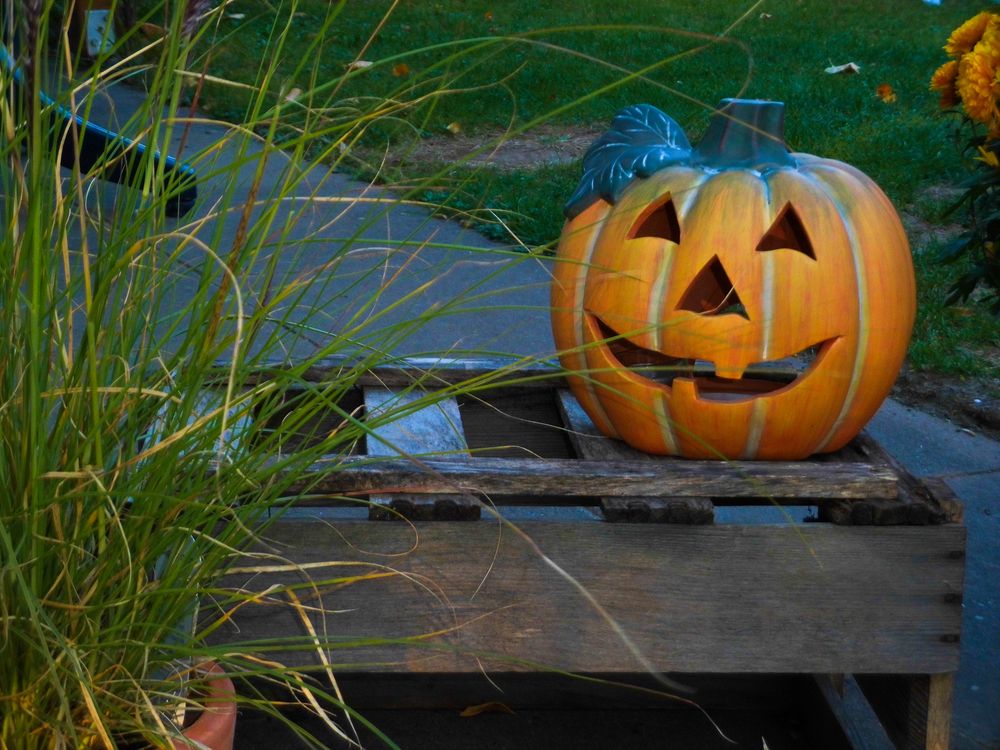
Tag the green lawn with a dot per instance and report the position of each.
(495, 66)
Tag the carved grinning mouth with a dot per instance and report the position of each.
(759, 378)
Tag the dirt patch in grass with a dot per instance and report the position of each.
(969, 403)
(922, 219)
(546, 144)
(923, 233)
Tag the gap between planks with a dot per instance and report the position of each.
(435, 428)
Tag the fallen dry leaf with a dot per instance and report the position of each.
(359, 65)
(292, 95)
(885, 93)
(847, 68)
(152, 30)
(454, 128)
(401, 70)
(492, 707)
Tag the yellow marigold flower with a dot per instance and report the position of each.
(977, 87)
(989, 45)
(965, 37)
(943, 80)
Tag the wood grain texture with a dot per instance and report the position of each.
(854, 717)
(941, 690)
(430, 372)
(778, 481)
(919, 502)
(432, 429)
(945, 498)
(708, 599)
(589, 443)
(693, 511)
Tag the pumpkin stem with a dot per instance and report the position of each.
(745, 133)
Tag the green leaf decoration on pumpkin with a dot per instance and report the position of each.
(642, 140)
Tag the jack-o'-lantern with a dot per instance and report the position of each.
(730, 300)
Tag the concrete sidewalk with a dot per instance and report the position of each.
(405, 267)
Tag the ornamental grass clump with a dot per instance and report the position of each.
(969, 83)
(151, 373)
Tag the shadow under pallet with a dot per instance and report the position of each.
(517, 541)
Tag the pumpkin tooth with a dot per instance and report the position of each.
(730, 371)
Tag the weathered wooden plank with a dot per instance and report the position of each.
(944, 498)
(436, 428)
(592, 445)
(705, 599)
(854, 716)
(431, 372)
(918, 503)
(587, 440)
(776, 481)
(940, 699)
(876, 513)
(693, 511)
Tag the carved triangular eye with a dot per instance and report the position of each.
(659, 220)
(787, 233)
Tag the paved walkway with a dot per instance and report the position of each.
(405, 267)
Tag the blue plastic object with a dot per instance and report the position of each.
(98, 144)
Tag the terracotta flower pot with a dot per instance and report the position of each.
(216, 725)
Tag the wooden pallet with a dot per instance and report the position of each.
(610, 561)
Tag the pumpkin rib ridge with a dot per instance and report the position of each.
(684, 199)
(756, 431)
(899, 288)
(767, 291)
(582, 381)
(659, 296)
(814, 172)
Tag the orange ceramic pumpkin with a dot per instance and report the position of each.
(732, 300)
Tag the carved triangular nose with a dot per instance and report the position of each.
(712, 293)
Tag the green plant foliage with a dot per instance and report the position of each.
(950, 338)
(966, 84)
(979, 246)
(154, 415)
